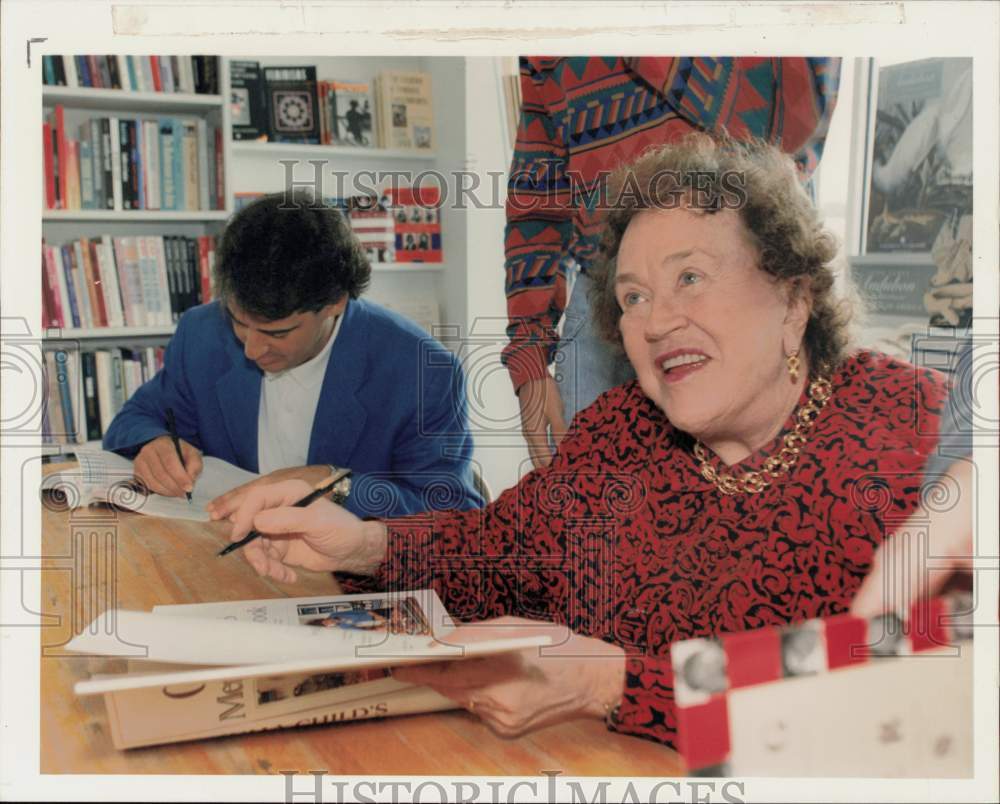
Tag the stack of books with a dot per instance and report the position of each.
(166, 163)
(191, 74)
(125, 281)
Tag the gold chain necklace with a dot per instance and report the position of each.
(755, 482)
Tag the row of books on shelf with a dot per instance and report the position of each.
(86, 389)
(131, 281)
(401, 224)
(165, 163)
(193, 74)
(289, 104)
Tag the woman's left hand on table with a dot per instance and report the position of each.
(516, 692)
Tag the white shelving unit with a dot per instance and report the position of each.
(109, 333)
(134, 216)
(108, 100)
(329, 151)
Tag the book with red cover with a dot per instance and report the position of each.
(220, 174)
(417, 215)
(96, 78)
(47, 319)
(154, 64)
(87, 281)
(372, 224)
(92, 265)
(52, 282)
(204, 269)
(51, 306)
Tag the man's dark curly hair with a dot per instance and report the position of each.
(782, 223)
(288, 253)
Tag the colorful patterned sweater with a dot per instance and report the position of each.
(621, 538)
(583, 117)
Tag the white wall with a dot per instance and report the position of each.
(500, 449)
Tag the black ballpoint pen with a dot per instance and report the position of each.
(323, 488)
(172, 429)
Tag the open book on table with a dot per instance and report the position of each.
(206, 670)
(104, 477)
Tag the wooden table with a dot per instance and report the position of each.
(98, 558)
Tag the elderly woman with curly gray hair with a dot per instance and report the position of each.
(744, 479)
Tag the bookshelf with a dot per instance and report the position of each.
(424, 291)
(128, 346)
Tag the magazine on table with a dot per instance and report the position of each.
(206, 670)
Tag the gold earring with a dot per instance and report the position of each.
(792, 361)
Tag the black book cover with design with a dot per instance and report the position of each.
(292, 104)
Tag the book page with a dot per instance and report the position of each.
(104, 476)
(403, 610)
(352, 639)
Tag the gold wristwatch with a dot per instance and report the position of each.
(342, 489)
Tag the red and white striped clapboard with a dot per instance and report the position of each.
(839, 696)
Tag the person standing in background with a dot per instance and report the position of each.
(582, 117)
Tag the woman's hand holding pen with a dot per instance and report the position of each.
(323, 537)
(159, 468)
(226, 504)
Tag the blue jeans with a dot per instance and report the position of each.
(585, 364)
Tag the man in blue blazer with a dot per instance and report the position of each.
(290, 374)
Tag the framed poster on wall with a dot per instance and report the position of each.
(919, 192)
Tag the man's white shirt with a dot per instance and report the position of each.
(288, 401)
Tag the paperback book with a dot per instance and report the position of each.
(405, 110)
(352, 113)
(293, 108)
(417, 221)
(247, 101)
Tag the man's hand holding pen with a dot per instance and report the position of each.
(159, 468)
